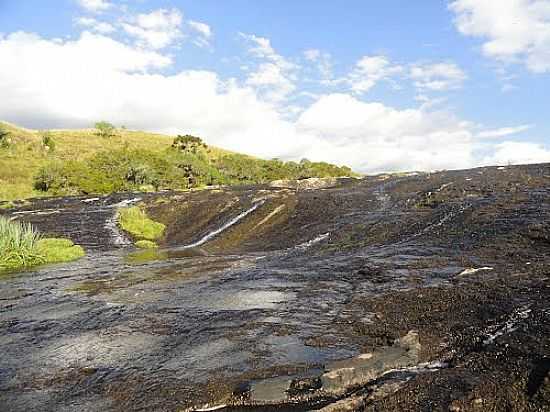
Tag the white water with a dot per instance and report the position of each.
(511, 324)
(312, 242)
(226, 226)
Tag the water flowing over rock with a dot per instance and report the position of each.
(397, 292)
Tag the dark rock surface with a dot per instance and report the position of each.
(310, 284)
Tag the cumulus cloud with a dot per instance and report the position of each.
(275, 76)
(514, 153)
(369, 70)
(426, 77)
(203, 31)
(95, 77)
(437, 76)
(513, 30)
(375, 137)
(323, 61)
(93, 24)
(157, 30)
(504, 131)
(95, 6)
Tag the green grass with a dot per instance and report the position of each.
(146, 244)
(18, 245)
(57, 250)
(71, 162)
(20, 162)
(21, 246)
(135, 221)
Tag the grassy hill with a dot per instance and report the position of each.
(62, 162)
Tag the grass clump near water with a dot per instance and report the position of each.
(146, 244)
(136, 222)
(21, 246)
(57, 250)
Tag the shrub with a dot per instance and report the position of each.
(59, 178)
(5, 140)
(105, 129)
(188, 143)
(136, 222)
(47, 142)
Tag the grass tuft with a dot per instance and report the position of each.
(21, 246)
(146, 244)
(18, 245)
(136, 222)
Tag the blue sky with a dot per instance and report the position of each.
(393, 85)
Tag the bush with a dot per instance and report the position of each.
(188, 143)
(47, 142)
(5, 140)
(136, 222)
(105, 129)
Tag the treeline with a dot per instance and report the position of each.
(187, 164)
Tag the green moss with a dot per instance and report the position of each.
(59, 250)
(135, 221)
(7, 205)
(146, 244)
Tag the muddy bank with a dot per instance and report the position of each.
(302, 302)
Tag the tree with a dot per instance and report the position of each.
(105, 129)
(188, 144)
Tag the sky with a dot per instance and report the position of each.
(379, 86)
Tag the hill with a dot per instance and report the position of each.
(65, 162)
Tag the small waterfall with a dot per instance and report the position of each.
(118, 237)
(227, 225)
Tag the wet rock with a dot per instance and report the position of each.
(311, 183)
(303, 385)
(358, 371)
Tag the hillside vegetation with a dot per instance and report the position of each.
(100, 161)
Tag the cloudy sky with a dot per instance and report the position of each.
(380, 86)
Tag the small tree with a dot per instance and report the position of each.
(105, 129)
(48, 142)
(188, 144)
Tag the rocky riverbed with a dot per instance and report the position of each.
(416, 292)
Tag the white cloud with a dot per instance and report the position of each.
(202, 28)
(437, 76)
(369, 70)
(323, 61)
(203, 31)
(94, 77)
(375, 137)
(95, 6)
(513, 30)
(157, 30)
(504, 131)
(275, 76)
(93, 24)
(510, 153)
